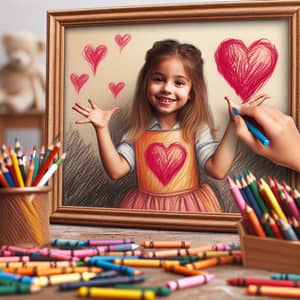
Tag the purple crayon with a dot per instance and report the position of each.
(189, 281)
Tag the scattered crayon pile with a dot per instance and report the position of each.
(269, 208)
(110, 268)
(18, 169)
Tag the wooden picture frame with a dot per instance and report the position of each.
(63, 27)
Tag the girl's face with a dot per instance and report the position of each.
(169, 86)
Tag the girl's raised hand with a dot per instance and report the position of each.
(98, 117)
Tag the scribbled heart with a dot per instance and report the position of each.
(246, 69)
(122, 40)
(94, 56)
(165, 162)
(116, 88)
(79, 81)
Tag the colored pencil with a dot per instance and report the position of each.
(253, 220)
(236, 194)
(255, 131)
(47, 163)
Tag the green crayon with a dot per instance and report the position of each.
(18, 288)
(159, 291)
(285, 276)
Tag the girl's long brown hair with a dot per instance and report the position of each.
(195, 114)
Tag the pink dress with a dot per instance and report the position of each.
(168, 177)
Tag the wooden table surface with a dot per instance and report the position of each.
(215, 289)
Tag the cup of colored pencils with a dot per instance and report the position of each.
(25, 193)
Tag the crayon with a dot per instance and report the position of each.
(177, 252)
(110, 266)
(273, 291)
(226, 247)
(66, 270)
(18, 278)
(255, 131)
(44, 281)
(101, 282)
(189, 281)
(112, 293)
(47, 264)
(261, 281)
(210, 254)
(19, 289)
(68, 244)
(154, 263)
(159, 291)
(210, 262)
(181, 270)
(285, 276)
(109, 242)
(166, 244)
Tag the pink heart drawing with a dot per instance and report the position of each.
(122, 40)
(165, 162)
(116, 88)
(246, 69)
(94, 56)
(79, 81)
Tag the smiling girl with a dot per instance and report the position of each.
(169, 138)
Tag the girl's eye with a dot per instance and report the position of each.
(179, 82)
(158, 79)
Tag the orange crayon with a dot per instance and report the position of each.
(181, 270)
(273, 291)
(221, 260)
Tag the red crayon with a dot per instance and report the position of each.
(261, 281)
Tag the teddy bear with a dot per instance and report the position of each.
(22, 78)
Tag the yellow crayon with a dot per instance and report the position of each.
(43, 281)
(209, 254)
(156, 263)
(111, 293)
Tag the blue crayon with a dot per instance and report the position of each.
(18, 278)
(256, 132)
(110, 266)
(285, 276)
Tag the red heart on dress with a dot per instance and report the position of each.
(116, 88)
(122, 40)
(246, 69)
(165, 162)
(79, 81)
(94, 56)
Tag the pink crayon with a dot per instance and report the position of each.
(109, 242)
(236, 194)
(14, 259)
(189, 281)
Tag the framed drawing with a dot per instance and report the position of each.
(97, 53)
